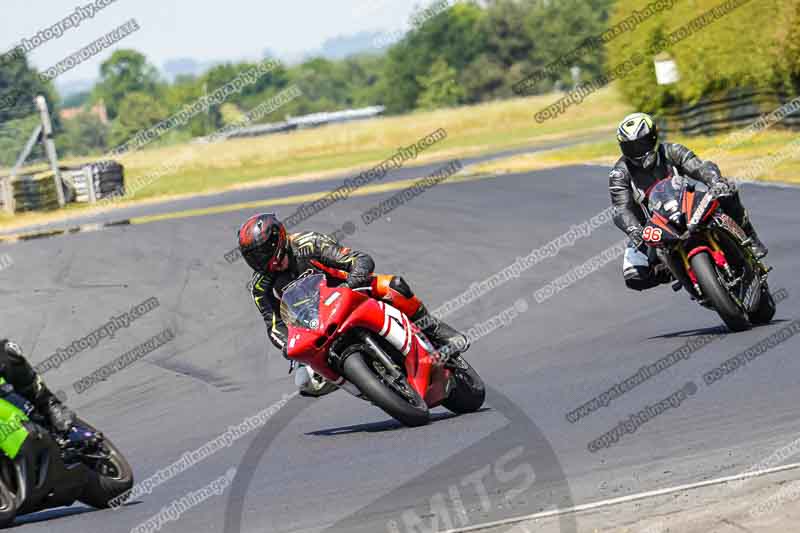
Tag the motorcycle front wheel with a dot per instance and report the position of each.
(709, 280)
(110, 477)
(398, 400)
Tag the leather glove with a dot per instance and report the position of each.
(637, 238)
(722, 188)
(358, 283)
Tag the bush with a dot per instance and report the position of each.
(754, 46)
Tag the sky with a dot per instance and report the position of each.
(201, 30)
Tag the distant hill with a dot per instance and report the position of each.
(185, 66)
(69, 88)
(347, 45)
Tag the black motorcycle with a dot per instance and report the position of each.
(708, 253)
(39, 470)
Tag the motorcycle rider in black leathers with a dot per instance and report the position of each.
(27, 383)
(278, 259)
(645, 162)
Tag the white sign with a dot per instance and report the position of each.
(667, 71)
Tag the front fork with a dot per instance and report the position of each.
(717, 254)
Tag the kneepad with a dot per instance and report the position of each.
(400, 285)
(640, 279)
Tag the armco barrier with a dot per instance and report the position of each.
(727, 113)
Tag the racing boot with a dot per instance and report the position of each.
(311, 384)
(441, 335)
(759, 248)
(61, 417)
(734, 207)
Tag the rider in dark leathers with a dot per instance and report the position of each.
(27, 383)
(645, 162)
(279, 258)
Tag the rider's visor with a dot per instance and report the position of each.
(639, 148)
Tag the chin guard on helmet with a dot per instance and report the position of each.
(638, 139)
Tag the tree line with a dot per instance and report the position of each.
(466, 53)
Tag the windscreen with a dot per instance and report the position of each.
(300, 302)
(665, 196)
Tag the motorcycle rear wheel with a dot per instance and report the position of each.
(709, 281)
(410, 410)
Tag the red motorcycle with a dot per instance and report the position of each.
(708, 253)
(373, 351)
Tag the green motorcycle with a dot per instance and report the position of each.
(39, 470)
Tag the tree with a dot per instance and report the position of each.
(183, 92)
(125, 72)
(137, 112)
(251, 95)
(558, 28)
(456, 35)
(19, 84)
(439, 87)
(84, 134)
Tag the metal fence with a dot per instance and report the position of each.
(306, 121)
(725, 114)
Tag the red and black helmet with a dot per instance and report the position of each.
(262, 241)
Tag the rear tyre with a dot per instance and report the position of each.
(108, 478)
(470, 392)
(408, 408)
(708, 279)
(766, 309)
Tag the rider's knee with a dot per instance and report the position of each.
(639, 284)
(399, 284)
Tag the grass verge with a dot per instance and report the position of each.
(330, 150)
(735, 161)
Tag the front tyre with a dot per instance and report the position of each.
(8, 506)
(401, 402)
(109, 477)
(709, 281)
(469, 393)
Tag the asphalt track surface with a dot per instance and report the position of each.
(339, 464)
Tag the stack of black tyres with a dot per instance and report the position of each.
(109, 179)
(35, 193)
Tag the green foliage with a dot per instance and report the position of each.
(13, 136)
(19, 84)
(137, 112)
(456, 52)
(457, 36)
(557, 28)
(183, 92)
(125, 72)
(82, 135)
(754, 46)
(439, 87)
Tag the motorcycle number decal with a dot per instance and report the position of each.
(396, 329)
(651, 234)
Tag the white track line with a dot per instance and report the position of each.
(625, 499)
